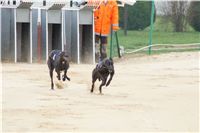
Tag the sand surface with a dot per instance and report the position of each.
(148, 93)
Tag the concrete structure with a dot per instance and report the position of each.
(23, 32)
(54, 27)
(15, 31)
(7, 34)
(79, 34)
(29, 31)
(47, 29)
(62, 27)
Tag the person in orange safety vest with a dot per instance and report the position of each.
(105, 17)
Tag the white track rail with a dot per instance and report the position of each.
(172, 45)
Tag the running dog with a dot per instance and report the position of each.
(101, 72)
(58, 60)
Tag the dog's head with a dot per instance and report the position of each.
(64, 57)
(109, 64)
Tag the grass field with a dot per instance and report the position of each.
(162, 34)
(136, 39)
(139, 39)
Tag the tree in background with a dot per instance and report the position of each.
(178, 14)
(194, 15)
(175, 12)
(125, 19)
(137, 17)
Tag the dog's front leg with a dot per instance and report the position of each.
(65, 76)
(102, 84)
(111, 76)
(58, 74)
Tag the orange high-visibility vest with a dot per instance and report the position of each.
(105, 15)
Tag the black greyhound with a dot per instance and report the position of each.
(58, 60)
(101, 72)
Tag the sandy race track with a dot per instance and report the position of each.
(148, 93)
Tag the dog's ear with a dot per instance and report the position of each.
(64, 56)
(111, 60)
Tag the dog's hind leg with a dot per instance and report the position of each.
(51, 75)
(94, 78)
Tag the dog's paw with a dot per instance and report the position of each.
(58, 77)
(68, 79)
(63, 79)
(107, 84)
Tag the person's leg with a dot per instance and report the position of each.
(97, 48)
(103, 45)
(103, 54)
